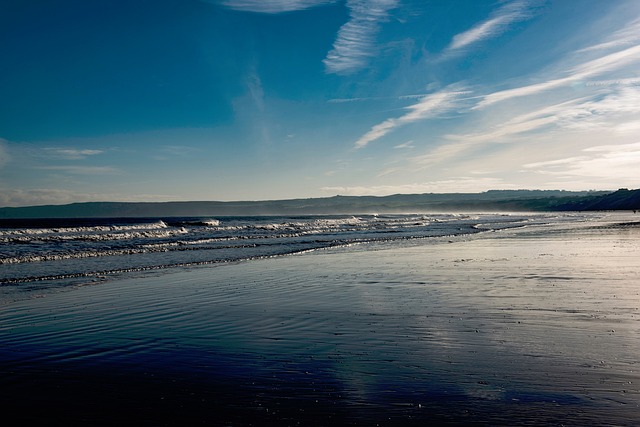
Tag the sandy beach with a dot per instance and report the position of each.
(535, 326)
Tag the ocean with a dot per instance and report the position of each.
(450, 319)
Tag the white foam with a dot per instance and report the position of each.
(95, 237)
(70, 230)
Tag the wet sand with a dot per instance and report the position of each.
(527, 327)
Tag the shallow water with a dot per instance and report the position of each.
(537, 327)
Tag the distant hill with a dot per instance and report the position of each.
(622, 199)
(490, 201)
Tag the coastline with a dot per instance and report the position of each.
(530, 326)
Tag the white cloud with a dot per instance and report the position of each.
(553, 163)
(355, 42)
(628, 35)
(584, 111)
(615, 82)
(273, 6)
(620, 148)
(377, 131)
(605, 64)
(504, 95)
(616, 163)
(497, 23)
(343, 100)
(408, 144)
(523, 123)
(628, 127)
(597, 112)
(428, 107)
(611, 62)
(441, 154)
(73, 153)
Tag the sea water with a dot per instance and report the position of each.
(71, 250)
(406, 320)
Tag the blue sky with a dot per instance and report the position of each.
(142, 100)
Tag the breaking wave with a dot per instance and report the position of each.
(33, 249)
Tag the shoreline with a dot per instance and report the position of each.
(515, 327)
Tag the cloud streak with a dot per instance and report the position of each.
(273, 6)
(355, 43)
(497, 23)
(441, 154)
(525, 123)
(405, 145)
(617, 162)
(605, 64)
(587, 113)
(73, 153)
(428, 107)
(628, 35)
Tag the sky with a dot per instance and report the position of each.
(158, 100)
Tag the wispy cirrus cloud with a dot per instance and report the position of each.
(523, 123)
(595, 67)
(615, 111)
(355, 42)
(498, 22)
(441, 154)
(428, 107)
(578, 110)
(608, 113)
(632, 126)
(73, 153)
(405, 145)
(273, 6)
(628, 35)
(618, 162)
(607, 63)
(632, 81)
